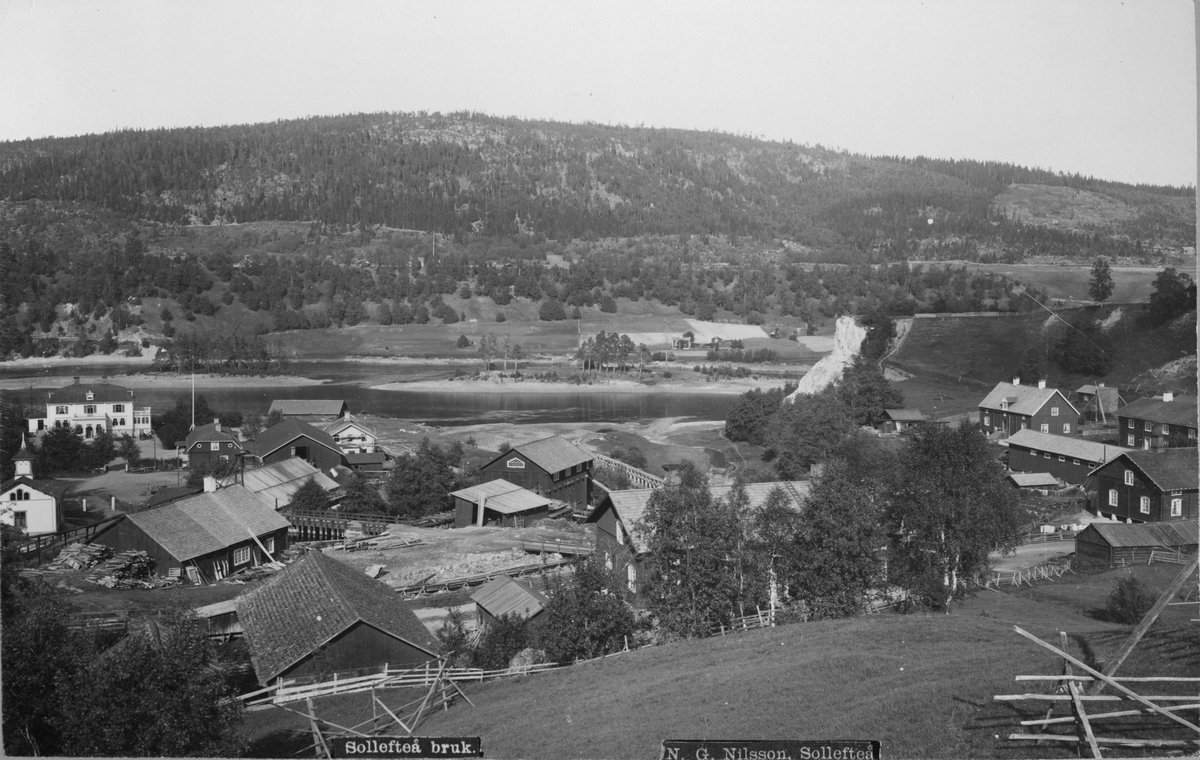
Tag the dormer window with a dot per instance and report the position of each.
(90, 396)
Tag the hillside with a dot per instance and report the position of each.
(922, 685)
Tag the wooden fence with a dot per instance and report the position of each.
(558, 547)
(1029, 575)
(456, 584)
(1149, 556)
(638, 478)
(314, 525)
(39, 549)
(1042, 538)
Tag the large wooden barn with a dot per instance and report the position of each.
(292, 438)
(205, 537)
(552, 467)
(320, 616)
(1107, 544)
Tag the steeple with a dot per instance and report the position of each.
(23, 461)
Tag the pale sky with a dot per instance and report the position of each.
(1092, 86)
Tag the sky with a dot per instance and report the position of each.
(1097, 87)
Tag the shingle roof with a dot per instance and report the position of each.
(904, 415)
(313, 600)
(102, 393)
(503, 496)
(1169, 469)
(505, 596)
(208, 522)
(275, 483)
(630, 505)
(289, 430)
(377, 457)
(170, 493)
(1022, 399)
(1173, 533)
(552, 454)
(1076, 448)
(55, 488)
(1181, 411)
(302, 406)
(1033, 479)
(337, 426)
(210, 432)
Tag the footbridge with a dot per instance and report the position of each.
(637, 478)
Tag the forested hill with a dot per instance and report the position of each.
(468, 175)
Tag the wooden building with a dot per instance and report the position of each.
(1097, 402)
(1158, 423)
(1148, 486)
(1107, 544)
(504, 596)
(275, 483)
(622, 543)
(292, 438)
(353, 436)
(203, 538)
(1042, 482)
(1068, 459)
(320, 616)
(212, 444)
(30, 505)
(552, 467)
(88, 408)
(899, 420)
(328, 409)
(503, 502)
(1012, 407)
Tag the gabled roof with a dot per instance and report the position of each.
(505, 596)
(630, 505)
(552, 454)
(302, 406)
(171, 493)
(56, 488)
(1022, 399)
(1172, 533)
(102, 393)
(904, 415)
(309, 603)
(337, 426)
(278, 436)
(275, 483)
(1033, 479)
(502, 496)
(211, 432)
(1181, 411)
(208, 522)
(377, 457)
(1168, 469)
(1076, 448)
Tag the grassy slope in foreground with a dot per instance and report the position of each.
(923, 685)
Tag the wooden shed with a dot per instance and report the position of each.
(1107, 544)
(505, 596)
(502, 501)
(320, 616)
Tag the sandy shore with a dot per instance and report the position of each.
(477, 385)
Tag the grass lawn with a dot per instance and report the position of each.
(921, 684)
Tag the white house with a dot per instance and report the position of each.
(34, 506)
(88, 408)
(352, 436)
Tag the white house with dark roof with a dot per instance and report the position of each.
(1012, 407)
(31, 505)
(353, 436)
(88, 408)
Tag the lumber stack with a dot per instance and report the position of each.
(79, 556)
(129, 569)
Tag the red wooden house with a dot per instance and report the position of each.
(552, 467)
(292, 438)
(1068, 459)
(211, 444)
(1011, 407)
(1148, 486)
(1158, 423)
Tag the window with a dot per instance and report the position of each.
(90, 395)
(1149, 426)
(61, 410)
(1129, 440)
(620, 534)
(987, 420)
(241, 555)
(1129, 477)
(1176, 507)
(1074, 461)
(631, 576)
(515, 464)
(608, 563)
(1145, 443)
(121, 422)
(118, 408)
(214, 446)
(1046, 454)
(1166, 429)
(1061, 458)
(1112, 497)
(1192, 433)
(1045, 428)
(269, 543)
(1131, 422)
(1054, 411)
(89, 408)
(1144, 505)
(20, 520)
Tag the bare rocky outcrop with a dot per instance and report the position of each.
(847, 339)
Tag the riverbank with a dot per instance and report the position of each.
(165, 380)
(698, 384)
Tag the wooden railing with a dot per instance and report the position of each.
(317, 525)
(471, 581)
(559, 547)
(39, 549)
(638, 478)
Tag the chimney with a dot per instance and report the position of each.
(482, 500)
(210, 484)
(1041, 385)
(104, 378)
(77, 379)
(1168, 396)
(1099, 385)
(217, 424)
(1016, 381)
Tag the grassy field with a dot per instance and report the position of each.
(921, 684)
(1130, 284)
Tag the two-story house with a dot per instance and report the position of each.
(88, 408)
(352, 436)
(212, 445)
(30, 505)
(1012, 407)
(552, 467)
(1066, 458)
(1148, 486)
(1158, 423)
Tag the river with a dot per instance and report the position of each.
(351, 381)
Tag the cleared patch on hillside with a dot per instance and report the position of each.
(1062, 207)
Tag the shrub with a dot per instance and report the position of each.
(1129, 601)
(463, 341)
(500, 316)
